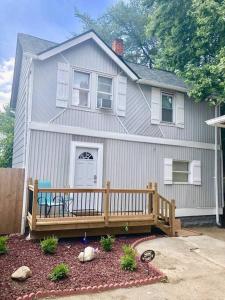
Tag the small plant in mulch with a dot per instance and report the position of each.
(107, 242)
(59, 272)
(49, 245)
(3, 244)
(128, 260)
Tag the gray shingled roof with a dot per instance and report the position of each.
(163, 77)
(33, 44)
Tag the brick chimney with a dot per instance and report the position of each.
(118, 47)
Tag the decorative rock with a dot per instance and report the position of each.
(87, 255)
(21, 274)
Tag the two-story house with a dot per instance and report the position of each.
(84, 115)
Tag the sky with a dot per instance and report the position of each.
(48, 19)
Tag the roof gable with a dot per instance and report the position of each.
(82, 38)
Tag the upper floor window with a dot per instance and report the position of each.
(167, 108)
(81, 88)
(104, 92)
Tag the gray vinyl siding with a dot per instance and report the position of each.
(126, 164)
(88, 56)
(90, 119)
(20, 116)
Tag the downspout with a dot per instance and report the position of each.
(216, 173)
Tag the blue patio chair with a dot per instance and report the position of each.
(46, 199)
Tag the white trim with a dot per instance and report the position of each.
(162, 85)
(99, 147)
(83, 38)
(119, 136)
(27, 145)
(186, 212)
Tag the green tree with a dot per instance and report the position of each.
(191, 41)
(125, 20)
(6, 137)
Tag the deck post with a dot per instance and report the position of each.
(106, 203)
(149, 186)
(35, 202)
(29, 182)
(172, 217)
(155, 202)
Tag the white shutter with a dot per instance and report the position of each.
(168, 171)
(155, 105)
(121, 96)
(62, 90)
(195, 172)
(75, 97)
(179, 106)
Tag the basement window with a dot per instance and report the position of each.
(180, 171)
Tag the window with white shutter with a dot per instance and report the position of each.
(182, 172)
(62, 90)
(179, 107)
(168, 171)
(121, 96)
(195, 172)
(155, 105)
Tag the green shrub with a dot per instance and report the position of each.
(128, 263)
(128, 250)
(3, 244)
(60, 271)
(49, 245)
(107, 242)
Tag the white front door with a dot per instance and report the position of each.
(86, 164)
(86, 167)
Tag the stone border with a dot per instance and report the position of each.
(100, 288)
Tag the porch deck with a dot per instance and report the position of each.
(75, 211)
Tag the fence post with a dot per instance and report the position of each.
(35, 202)
(172, 217)
(155, 202)
(106, 203)
(149, 186)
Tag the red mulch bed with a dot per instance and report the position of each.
(105, 268)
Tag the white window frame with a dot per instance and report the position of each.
(82, 89)
(183, 172)
(173, 109)
(97, 91)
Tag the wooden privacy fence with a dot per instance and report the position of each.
(11, 199)
(103, 206)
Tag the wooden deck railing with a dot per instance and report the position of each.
(110, 203)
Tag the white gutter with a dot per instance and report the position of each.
(216, 174)
(162, 85)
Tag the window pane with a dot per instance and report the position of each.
(102, 96)
(180, 177)
(105, 84)
(180, 166)
(81, 80)
(167, 115)
(83, 98)
(167, 102)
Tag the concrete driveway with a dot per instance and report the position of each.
(195, 267)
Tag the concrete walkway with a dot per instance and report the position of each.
(195, 267)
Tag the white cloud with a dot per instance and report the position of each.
(6, 76)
